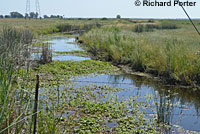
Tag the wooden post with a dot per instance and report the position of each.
(58, 89)
(36, 104)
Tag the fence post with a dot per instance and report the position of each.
(36, 104)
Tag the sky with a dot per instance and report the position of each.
(100, 8)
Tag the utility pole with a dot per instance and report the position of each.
(37, 7)
(28, 6)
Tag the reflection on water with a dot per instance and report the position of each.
(171, 104)
(63, 44)
(69, 57)
(58, 44)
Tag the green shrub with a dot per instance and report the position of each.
(150, 27)
(168, 26)
(104, 18)
(139, 28)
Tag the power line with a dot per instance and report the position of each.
(190, 19)
(28, 6)
(37, 7)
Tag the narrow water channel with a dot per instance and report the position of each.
(175, 105)
(57, 46)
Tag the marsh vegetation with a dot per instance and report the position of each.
(168, 51)
(95, 96)
(13, 64)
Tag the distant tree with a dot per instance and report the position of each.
(36, 15)
(1, 16)
(118, 16)
(7, 16)
(104, 18)
(46, 17)
(56, 17)
(53, 16)
(16, 15)
(59, 17)
(26, 16)
(150, 21)
(33, 15)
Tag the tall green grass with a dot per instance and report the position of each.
(139, 28)
(66, 27)
(169, 57)
(48, 26)
(14, 100)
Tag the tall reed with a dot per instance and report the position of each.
(172, 58)
(13, 76)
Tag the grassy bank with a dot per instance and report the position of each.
(75, 53)
(171, 52)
